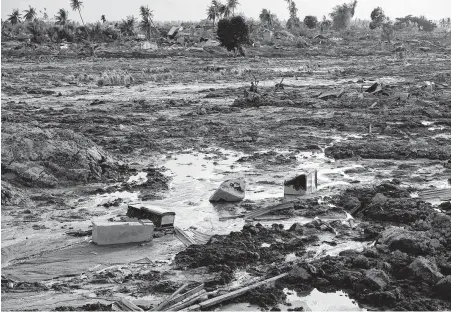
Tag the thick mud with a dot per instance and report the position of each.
(77, 149)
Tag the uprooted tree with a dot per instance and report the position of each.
(342, 14)
(233, 33)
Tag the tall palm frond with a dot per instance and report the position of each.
(266, 17)
(14, 18)
(76, 6)
(30, 14)
(146, 20)
(127, 26)
(211, 13)
(232, 4)
(62, 17)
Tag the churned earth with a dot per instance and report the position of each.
(84, 136)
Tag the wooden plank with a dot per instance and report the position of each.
(188, 301)
(165, 302)
(266, 210)
(234, 294)
(231, 217)
(182, 297)
(183, 237)
(125, 305)
(441, 194)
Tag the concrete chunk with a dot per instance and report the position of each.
(109, 233)
(230, 191)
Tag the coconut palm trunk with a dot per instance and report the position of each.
(79, 12)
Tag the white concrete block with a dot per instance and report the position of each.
(109, 233)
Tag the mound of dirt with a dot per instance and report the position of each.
(36, 157)
(406, 270)
(252, 245)
(389, 149)
(12, 196)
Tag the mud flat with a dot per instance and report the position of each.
(77, 149)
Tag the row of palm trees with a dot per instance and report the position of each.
(30, 14)
(62, 17)
(218, 10)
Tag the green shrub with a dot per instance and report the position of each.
(342, 14)
(310, 21)
(233, 32)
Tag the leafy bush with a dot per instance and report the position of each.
(127, 26)
(310, 21)
(341, 14)
(38, 31)
(115, 78)
(377, 18)
(233, 32)
(421, 22)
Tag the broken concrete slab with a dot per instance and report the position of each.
(111, 233)
(230, 191)
(304, 183)
(160, 217)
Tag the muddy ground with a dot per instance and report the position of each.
(83, 136)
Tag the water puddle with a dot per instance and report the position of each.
(319, 301)
(312, 301)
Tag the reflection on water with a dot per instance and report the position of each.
(313, 301)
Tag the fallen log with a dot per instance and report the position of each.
(233, 294)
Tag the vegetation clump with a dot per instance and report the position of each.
(342, 14)
(310, 21)
(233, 33)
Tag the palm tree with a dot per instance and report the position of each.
(266, 17)
(103, 18)
(62, 17)
(232, 4)
(211, 14)
(146, 20)
(127, 26)
(219, 8)
(76, 6)
(30, 14)
(14, 18)
(226, 11)
(45, 15)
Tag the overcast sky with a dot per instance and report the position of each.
(186, 10)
